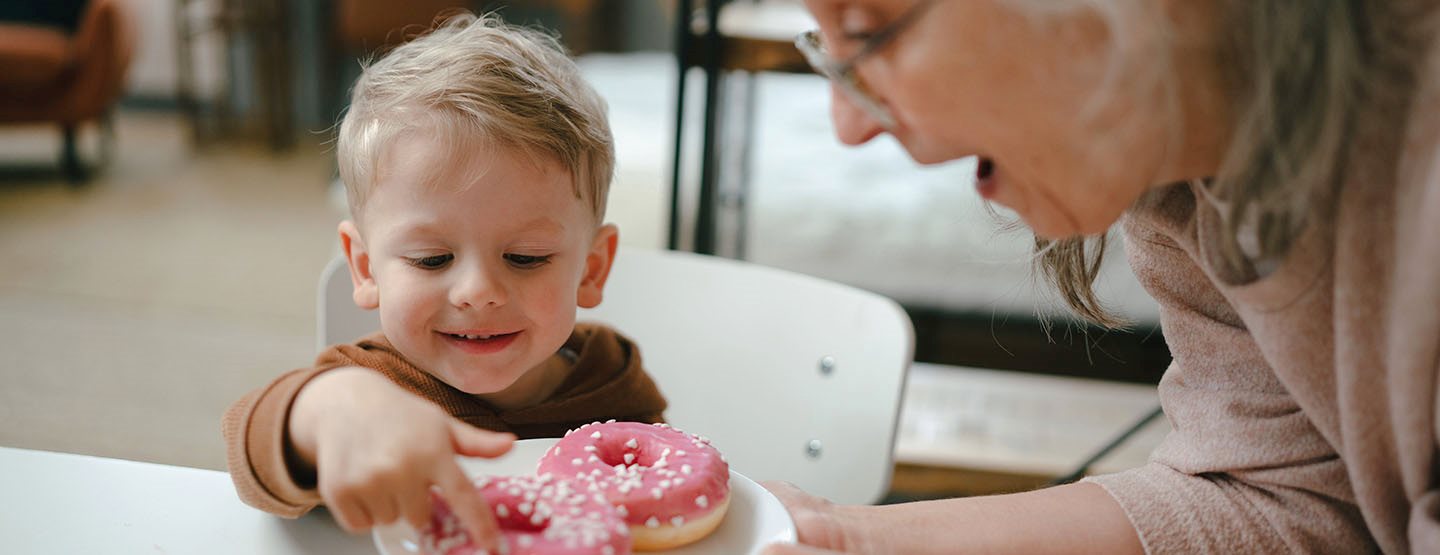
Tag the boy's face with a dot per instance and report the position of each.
(476, 283)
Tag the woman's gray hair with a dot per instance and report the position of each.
(1299, 73)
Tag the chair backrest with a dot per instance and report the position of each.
(793, 377)
(337, 319)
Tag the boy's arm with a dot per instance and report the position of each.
(256, 448)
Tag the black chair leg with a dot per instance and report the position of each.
(70, 157)
(107, 138)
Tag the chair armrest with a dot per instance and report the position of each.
(99, 57)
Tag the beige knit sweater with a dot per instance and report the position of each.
(1303, 403)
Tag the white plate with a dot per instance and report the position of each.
(754, 520)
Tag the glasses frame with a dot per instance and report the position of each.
(842, 72)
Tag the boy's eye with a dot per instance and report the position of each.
(432, 262)
(526, 260)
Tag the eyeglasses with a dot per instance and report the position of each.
(842, 72)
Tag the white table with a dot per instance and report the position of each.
(59, 503)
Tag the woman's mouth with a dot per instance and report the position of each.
(985, 182)
(480, 344)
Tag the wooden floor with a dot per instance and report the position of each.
(134, 309)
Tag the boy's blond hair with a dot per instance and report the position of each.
(480, 83)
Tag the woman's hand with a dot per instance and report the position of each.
(823, 526)
(378, 450)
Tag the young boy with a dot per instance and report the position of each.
(477, 164)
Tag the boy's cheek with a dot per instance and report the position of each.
(554, 306)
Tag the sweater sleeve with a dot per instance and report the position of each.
(1244, 469)
(255, 440)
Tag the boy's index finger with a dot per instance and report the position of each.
(470, 508)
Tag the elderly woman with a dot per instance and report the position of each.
(1274, 167)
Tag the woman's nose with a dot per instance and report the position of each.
(852, 125)
(477, 287)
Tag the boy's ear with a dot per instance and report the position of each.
(367, 295)
(597, 266)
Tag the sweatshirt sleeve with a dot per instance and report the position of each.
(255, 439)
(1244, 470)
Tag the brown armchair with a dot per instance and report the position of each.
(51, 76)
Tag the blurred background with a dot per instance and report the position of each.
(168, 199)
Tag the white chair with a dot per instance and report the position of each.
(792, 377)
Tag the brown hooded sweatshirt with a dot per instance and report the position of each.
(606, 381)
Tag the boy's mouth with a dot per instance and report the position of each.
(985, 182)
(476, 337)
(481, 343)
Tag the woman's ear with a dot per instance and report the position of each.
(597, 266)
(367, 294)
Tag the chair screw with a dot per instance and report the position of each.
(813, 448)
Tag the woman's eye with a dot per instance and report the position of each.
(432, 262)
(526, 260)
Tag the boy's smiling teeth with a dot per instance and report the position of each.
(477, 337)
(487, 343)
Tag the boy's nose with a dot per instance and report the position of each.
(477, 287)
(852, 125)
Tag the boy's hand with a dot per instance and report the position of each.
(378, 450)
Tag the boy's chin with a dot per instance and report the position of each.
(481, 387)
(475, 382)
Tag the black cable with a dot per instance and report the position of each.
(1119, 440)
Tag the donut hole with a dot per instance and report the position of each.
(613, 453)
(522, 523)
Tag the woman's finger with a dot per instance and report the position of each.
(790, 495)
(814, 517)
(781, 489)
(792, 549)
(467, 504)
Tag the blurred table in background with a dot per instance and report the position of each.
(966, 431)
(256, 93)
(729, 41)
(283, 64)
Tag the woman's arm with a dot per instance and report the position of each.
(1077, 518)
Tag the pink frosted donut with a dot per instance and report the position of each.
(537, 516)
(671, 487)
